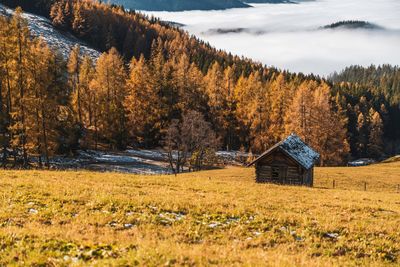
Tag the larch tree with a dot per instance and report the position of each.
(109, 83)
(313, 117)
(164, 85)
(141, 104)
(58, 16)
(190, 85)
(35, 70)
(252, 111)
(44, 101)
(229, 108)
(220, 91)
(86, 75)
(74, 67)
(20, 41)
(300, 114)
(216, 96)
(328, 128)
(280, 100)
(79, 20)
(4, 114)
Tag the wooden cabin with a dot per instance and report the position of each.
(288, 162)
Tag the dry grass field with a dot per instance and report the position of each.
(216, 217)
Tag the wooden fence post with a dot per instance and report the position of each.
(334, 184)
(365, 186)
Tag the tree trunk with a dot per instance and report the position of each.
(44, 133)
(8, 100)
(21, 104)
(171, 162)
(79, 98)
(39, 143)
(3, 126)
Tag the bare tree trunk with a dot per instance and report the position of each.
(39, 143)
(8, 100)
(44, 132)
(90, 111)
(79, 98)
(96, 134)
(171, 162)
(21, 104)
(3, 127)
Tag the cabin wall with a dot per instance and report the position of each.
(279, 168)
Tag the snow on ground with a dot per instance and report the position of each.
(149, 162)
(151, 154)
(234, 157)
(361, 162)
(124, 162)
(56, 39)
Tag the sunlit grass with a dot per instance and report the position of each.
(217, 217)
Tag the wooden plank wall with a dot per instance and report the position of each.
(294, 172)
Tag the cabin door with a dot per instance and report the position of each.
(279, 174)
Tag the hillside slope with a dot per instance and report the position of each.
(40, 26)
(217, 218)
(180, 5)
(184, 5)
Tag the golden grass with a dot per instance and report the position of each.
(216, 217)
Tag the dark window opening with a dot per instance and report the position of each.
(275, 173)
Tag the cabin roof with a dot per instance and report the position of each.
(295, 148)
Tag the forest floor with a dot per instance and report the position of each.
(220, 217)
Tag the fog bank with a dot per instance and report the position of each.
(288, 36)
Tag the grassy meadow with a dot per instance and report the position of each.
(219, 217)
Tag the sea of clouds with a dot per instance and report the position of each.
(288, 36)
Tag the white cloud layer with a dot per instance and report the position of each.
(287, 36)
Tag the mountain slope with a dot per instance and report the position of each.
(180, 5)
(56, 39)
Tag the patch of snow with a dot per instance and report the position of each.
(361, 162)
(33, 211)
(232, 220)
(42, 27)
(331, 235)
(233, 157)
(128, 225)
(214, 225)
(117, 159)
(171, 216)
(149, 154)
(300, 151)
(113, 224)
(123, 162)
